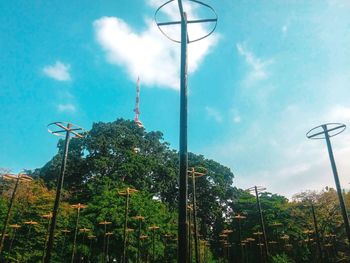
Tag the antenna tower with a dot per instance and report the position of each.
(137, 110)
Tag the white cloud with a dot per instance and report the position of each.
(148, 53)
(284, 29)
(214, 114)
(59, 71)
(339, 113)
(66, 108)
(237, 119)
(258, 67)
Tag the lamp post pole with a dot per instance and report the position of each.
(68, 129)
(256, 190)
(239, 218)
(78, 207)
(140, 219)
(48, 217)
(329, 130)
(91, 238)
(183, 162)
(127, 192)
(104, 223)
(153, 229)
(18, 178)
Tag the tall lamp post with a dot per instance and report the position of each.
(108, 234)
(60, 129)
(17, 178)
(317, 233)
(104, 224)
(195, 175)
(91, 238)
(139, 219)
(183, 178)
(153, 229)
(31, 224)
(239, 218)
(127, 193)
(143, 238)
(48, 218)
(78, 206)
(84, 232)
(226, 233)
(326, 131)
(257, 190)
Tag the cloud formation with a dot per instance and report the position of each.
(214, 114)
(68, 107)
(258, 67)
(59, 71)
(149, 54)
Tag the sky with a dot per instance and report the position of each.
(270, 72)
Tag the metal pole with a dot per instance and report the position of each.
(46, 237)
(107, 249)
(317, 233)
(337, 183)
(75, 234)
(7, 219)
(90, 249)
(58, 197)
(104, 244)
(197, 254)
(262, 223)
(138, 242)
(125, 223)
(183, 191)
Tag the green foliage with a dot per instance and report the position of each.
(120, 154)
(281, 258)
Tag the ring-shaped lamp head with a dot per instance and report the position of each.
(210, 20)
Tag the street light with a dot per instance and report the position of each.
(139, 219)
(104, 223)
(258, 234)
(17, 178)
(127, 193)
(84, 231)
(108, 234)
(64, 129)
(239, 217)
(30, 225)
(257, 190)
(143, 238)
(183, 191)
(153, 229)
(78, 207)
(317, 234)
(225, 234)
(91, 238)
(326, 131)
(48, 218)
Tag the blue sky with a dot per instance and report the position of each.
(272, 71)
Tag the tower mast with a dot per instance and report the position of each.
(137, 109)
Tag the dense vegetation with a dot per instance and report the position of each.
(117, 155)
